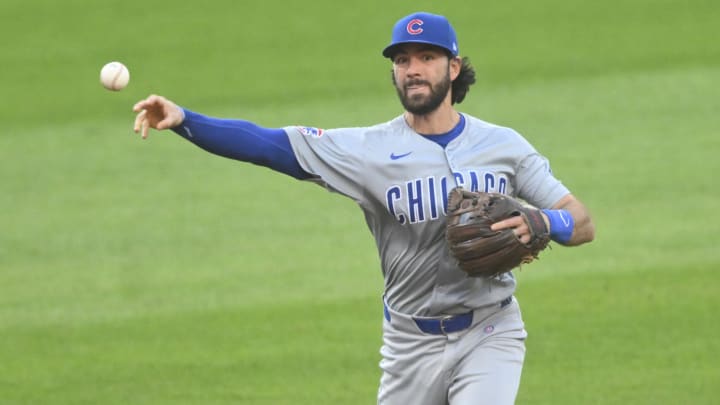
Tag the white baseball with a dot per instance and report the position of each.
(114, 76)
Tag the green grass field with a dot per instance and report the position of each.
(150, 272)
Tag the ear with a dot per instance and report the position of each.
(455, 64)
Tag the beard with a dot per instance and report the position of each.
(423, 104)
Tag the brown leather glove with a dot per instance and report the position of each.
(482, 252)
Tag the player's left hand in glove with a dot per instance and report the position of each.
(481, 251)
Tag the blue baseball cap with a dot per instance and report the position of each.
(423, 28)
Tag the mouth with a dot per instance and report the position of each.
(414, 87)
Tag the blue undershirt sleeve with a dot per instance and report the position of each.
(242, 140)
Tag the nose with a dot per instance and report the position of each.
(413, 67)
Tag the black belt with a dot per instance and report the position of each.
(447, 324)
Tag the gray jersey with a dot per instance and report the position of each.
(401, 181)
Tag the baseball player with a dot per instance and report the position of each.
(447, 338)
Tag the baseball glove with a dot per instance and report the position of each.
(482, 252)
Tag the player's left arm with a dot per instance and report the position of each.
(568, 222)
(583, 229)
(567, 219)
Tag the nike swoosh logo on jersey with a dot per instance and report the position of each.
(393, 156)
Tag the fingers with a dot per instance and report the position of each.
(139, 119)
(152, 113)
(518, 226)
(156, 112)
(145, 128)
(522, 232)
(524, 238)
(512, 222)
(142, 124)
(149, 101)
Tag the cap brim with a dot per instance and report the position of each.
(391, 50)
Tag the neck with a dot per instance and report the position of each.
(437, 122)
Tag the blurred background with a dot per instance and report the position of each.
(151, 272)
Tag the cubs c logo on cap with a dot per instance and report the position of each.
(414, 27)
(425, 28)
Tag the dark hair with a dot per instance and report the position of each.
(461, 84)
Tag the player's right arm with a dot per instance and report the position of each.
(234, 139)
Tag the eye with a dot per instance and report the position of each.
(428, 57)
(400, 60)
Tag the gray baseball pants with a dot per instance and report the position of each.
(480, 364)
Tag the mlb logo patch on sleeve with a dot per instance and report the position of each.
(310, 131)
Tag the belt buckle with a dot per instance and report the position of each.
(442, 323)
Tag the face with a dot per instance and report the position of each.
(422, 75)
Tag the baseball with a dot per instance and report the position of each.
(114, 76)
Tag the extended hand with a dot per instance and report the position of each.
(156, 112)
